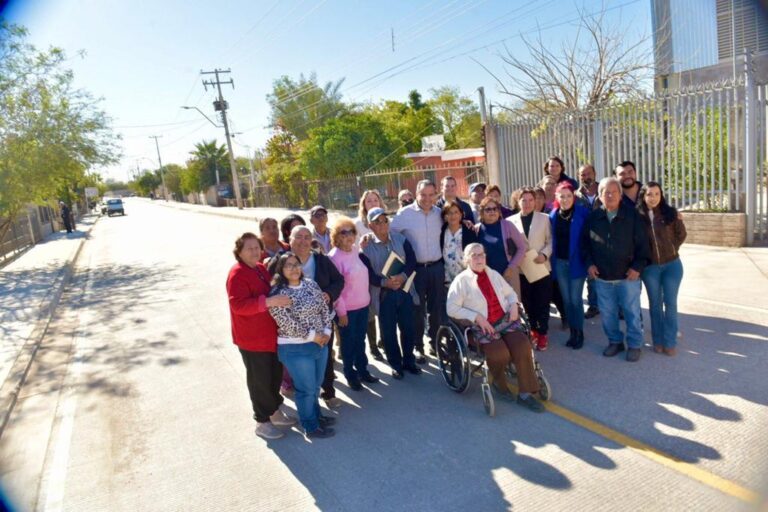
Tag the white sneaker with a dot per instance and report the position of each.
(268, 431)
(333, 403)
(280, 419)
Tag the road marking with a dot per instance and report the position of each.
(721, 484)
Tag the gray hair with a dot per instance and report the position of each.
(607, 181)
(468, 251)
(298, 228)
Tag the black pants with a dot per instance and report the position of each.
(430, 286)
(263, 373)
(536, 297)
(327, 385)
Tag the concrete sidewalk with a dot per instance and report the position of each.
(30, 289)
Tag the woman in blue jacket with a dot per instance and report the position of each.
(568, 268)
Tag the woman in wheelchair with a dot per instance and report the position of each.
(481, 297)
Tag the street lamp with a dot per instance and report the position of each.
(185, 107)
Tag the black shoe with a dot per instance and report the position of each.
(377, 355)
(420, 357)
(592, 312)
(321, 433)
(506, 395)
(413, 369)
(633, 355)
(613, 349)
(531, 403)
(397, 375)
(579, 341)
(326, 421)
(370, 379)
(571, 338)
(355, 386)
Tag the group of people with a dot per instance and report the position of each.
(295, 287)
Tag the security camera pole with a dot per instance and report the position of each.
(221, 106)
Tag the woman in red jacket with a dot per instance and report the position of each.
(255, 333)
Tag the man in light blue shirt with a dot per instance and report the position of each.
(421, 223)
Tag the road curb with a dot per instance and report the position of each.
(11, 388)
(232, 215)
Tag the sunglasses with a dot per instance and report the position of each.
(490, 209)
(345, 232)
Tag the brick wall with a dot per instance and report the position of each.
(720, 229)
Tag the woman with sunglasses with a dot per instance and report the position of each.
(352, 304)
(504, 244)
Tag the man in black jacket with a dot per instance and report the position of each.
(615, 250)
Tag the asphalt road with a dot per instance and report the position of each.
(138, 402)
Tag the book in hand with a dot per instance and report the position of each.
(395, 266)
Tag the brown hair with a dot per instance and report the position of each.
(556, 159)
(447, 207)
(340, 223)
(493, 188)
(527, 190)
(240, 243)
(361, 211)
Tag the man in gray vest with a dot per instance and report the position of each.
(393, 305)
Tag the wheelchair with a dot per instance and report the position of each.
(459, 359)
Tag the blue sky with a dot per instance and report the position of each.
(144, 57)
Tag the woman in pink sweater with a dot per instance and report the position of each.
(352, 304)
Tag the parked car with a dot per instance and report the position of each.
(115, 206)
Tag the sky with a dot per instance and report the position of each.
(143, 58)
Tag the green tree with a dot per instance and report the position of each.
(282, 147)
(347, 145)
(299, 106)
(459, 116)
(189, 180)
(406, 123)
(51, 133)
(173, 174)
(147, 183)
(211, 156)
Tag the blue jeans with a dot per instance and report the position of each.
(591, 293)
(624, 294)
(353, 345)
(396, 310)
(571, 290)
(306, 364)
(662, 282)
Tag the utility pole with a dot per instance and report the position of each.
(160, 161)
(221, 106)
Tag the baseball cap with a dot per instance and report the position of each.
(475, 186)
(375, 213)
(317, 208)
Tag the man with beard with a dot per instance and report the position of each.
(587, 197)
(626, 172)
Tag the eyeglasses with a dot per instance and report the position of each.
(345, 232)
(292, 266)
(490, 209)
(477, 255)
(381, 220)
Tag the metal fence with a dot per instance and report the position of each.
(28, 229)
(706, 146)
(344, 193)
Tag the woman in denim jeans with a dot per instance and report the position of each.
(303, 331)
(662, 278)
(567, 266)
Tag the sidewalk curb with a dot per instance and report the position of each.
(231, 215)
(11, 388)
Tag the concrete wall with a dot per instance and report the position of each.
(719, 229)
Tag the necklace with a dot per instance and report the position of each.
(565, 217)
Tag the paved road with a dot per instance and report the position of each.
(137, 401)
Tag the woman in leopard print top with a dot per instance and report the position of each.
(303, 331)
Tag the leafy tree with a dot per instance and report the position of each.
(414, 100)
(282, 147)
(147, 182)
(51, 133)
(404, 124)
(299, 106)
(173, 174)
(459, 116)
(287, 180)
(190, 177)
(211, 156)
(347, 145)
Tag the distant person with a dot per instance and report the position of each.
(318, 217)
(586, 195)
(536, 294)
(448, 192)
(548, 184)
(504, 244)
(514, 201)
(255, 333)
(405, 198)
(289, 222)
(303, 333)
(66, 216)
(476, 195)
(567, 221)
(454, 237)
(666, 232)
(352, 305)
(422, 223)
(494, 192)
(540, 200)
(615, 250)
(555, 167)
(393, 305)
(626, 172)
(270, 238)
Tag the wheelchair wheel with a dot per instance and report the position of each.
(545, 390)
(452, 358)
(488, 403)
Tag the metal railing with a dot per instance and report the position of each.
(28, 229)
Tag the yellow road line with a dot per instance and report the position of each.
(665, 459)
